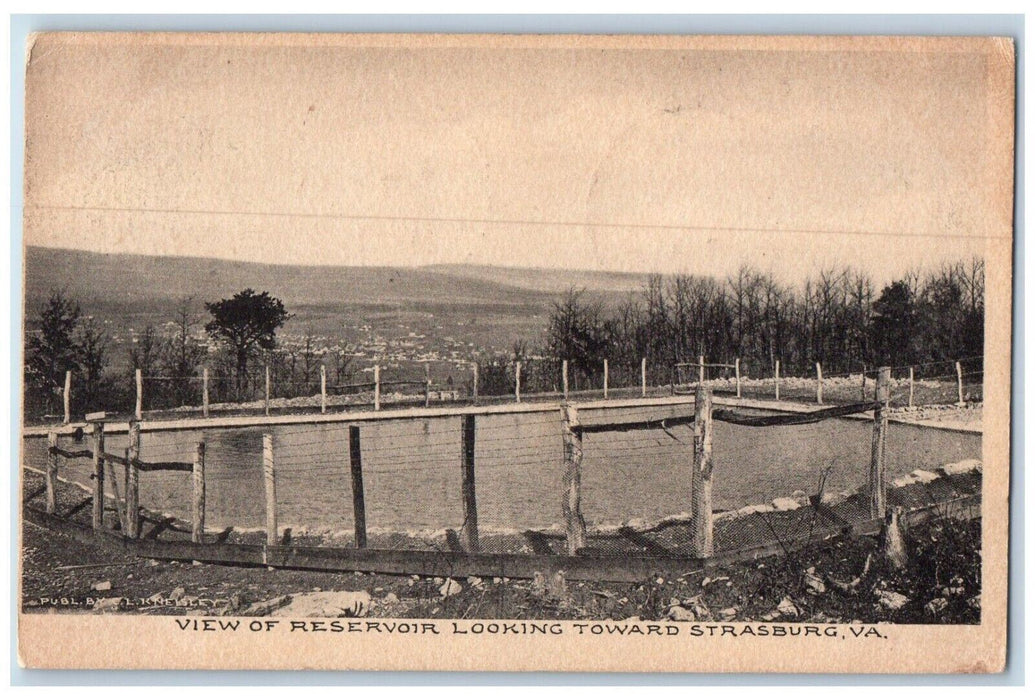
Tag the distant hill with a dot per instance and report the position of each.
(127, 279)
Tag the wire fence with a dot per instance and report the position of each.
(635, 484)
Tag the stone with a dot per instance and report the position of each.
(787, 608)
(475, 582)
(177, 593)
(967, 465)
(391, 599)
(326, 604)
(449, 588)
(814, 584)
(891, 600)
(109, 605)
(678, 613)
(727, 614)
(786, 504)
(102, 586)
(266, 607)
(936, 606)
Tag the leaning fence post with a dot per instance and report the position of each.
(564, 378)
(701, 478)
(474, 382)
(377, 387)
(197, 530)
(878, 488)
(777, 375)
(959, 385)
(736, 368)
(571, 505)
(605, 378)
(138, 412)
(359, 508)
(469, 532)
(52, 470)
(98, 476)
(323, 388)
(267, 390)
(67, 397)
(517, 382)
(910, 387)
(133, 482)
(270, 480)
(204, 392)
(819, 383)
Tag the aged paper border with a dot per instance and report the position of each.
(58, 641)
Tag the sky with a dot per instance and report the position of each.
(684, 155)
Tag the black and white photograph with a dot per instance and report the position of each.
(606, 347)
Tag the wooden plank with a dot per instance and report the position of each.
(270, 483)
(910, 387)
(564, 379)
(878, 475)
(959, 385)
(517, 382)
(427, 384)
(701, 476)
(470, 529)
(777, 378)
(605, 378)
(204, 392)
(377, 387)
(736, 368)
(52, 471)
(138, 411)
(133, 482)
(819, 384)
(198, 488)
(571, 504)
(474, 381)
(632, 424)
(98, 476)
(67, 397)
(643, 377)
(700, 369)
(267, 402)
(359, 508)
(323, 388)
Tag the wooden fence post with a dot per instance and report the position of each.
(605, 378)
(910, 387)
(736, 368)
(701, 478)
(52, 470)
(138, 412)
(267, 390)
(571, 505)
(474, 382)
(564, 378)
(862, 390)
(469, 532)
(427, 384)
(270, 480)
(700, 369)
(204, 392)
(98, 476)
(377, 387)
(197, 520)
(67, 397)
(132, 480)
(959, 385)
(359, 508)
(643, 377)
(777, 375)
(517, 382)
(819, 383)
(878, 487)
(323, 388)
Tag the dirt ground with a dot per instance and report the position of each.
(941, 584)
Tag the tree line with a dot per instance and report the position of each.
(835, 317)
(237, 343)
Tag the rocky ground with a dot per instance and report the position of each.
(841, 580)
